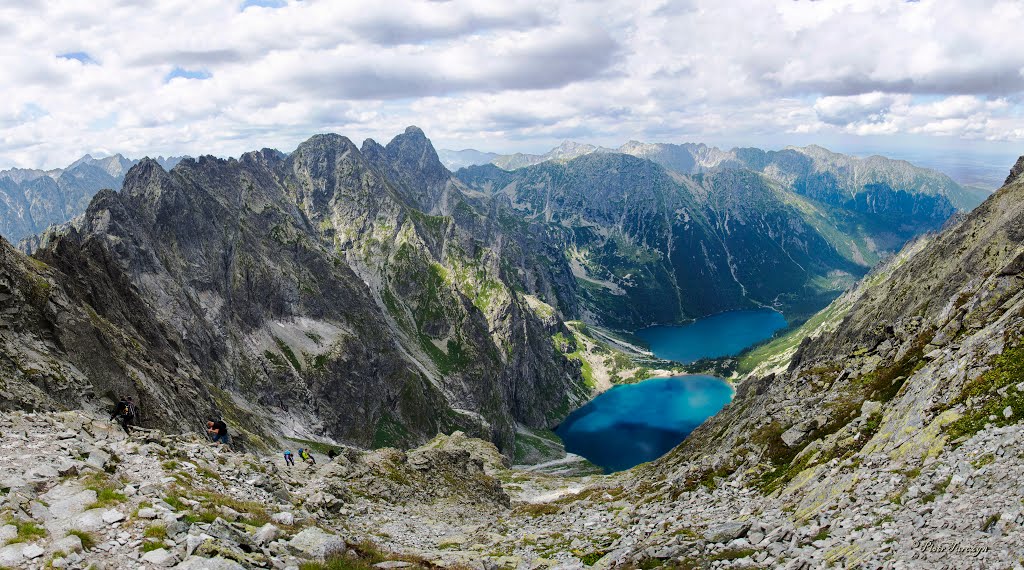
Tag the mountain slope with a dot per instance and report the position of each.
(925, 355)
(647, 246)
(303, 294)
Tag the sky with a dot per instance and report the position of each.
(221, 77)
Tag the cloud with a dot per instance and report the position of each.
(870, 107)
(227, 76)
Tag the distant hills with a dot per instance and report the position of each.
(787, 166)
(31, 200)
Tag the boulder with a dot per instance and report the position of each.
(33, 551)
(794, 435)
(267, 533)
(68, 544)
(97, 458)
(283, 518)
(316, 543)
(12, 554)
(726, 532)
(89, 521)
(161, 558)
(225, 531)
(200, 563)
(112, 516)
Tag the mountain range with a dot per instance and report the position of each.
(32, 200)
(663, 233)
(271, 287)
(882, 433)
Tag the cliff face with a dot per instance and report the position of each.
(304, 294)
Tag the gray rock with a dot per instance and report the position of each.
(225, 531)
(726, 531)
(200, 563)
(793, 436)
(317, 543)
(97, 458)
(147, 513)
(161, 558)
(112, 516)
(41, 473)
(8, 532)
(67, 545)
(284, 518)
(869, 408)
(394, 564)
(12, 554)
(1007, 412)
(89, 521)
(33, 551)
(266, 534)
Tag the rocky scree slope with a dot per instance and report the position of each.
(80, 494)
(269, 289)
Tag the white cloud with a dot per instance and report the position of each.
(500, 75)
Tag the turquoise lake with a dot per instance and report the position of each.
(634, 423)
(724, 334)
(631, 424)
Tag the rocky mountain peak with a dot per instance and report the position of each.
(1016, 171)
(146, 174)
(413, 148)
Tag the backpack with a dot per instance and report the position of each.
(130, 410)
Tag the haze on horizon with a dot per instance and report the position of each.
(918, 80)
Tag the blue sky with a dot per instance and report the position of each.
(223, 77)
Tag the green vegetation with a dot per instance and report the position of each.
(107, 491)
(289, 354)
(27, 531)
(991, 393)
(536, 444)
(732, 554)
(389, 432)
(87, 538)
(366, 555)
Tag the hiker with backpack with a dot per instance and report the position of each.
(288, 459)
(125, 412)
(218, 430)
(306, 456)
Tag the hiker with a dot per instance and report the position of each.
(124, 411)
(332, 453)
(288, 459)
(306, 456)
(219, 430)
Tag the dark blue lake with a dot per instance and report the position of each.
(724, 334)
(634, 423)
